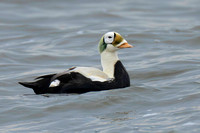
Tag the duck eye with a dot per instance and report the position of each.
(109, 36)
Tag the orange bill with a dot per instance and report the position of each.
(125, 45)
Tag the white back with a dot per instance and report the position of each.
(93, 73)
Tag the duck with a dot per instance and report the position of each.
(80, 80)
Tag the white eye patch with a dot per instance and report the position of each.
(109, 37)
(55, 83)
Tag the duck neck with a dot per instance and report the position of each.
(108, 61)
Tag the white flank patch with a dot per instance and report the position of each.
(55, 83)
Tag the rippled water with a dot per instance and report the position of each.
(42, 37)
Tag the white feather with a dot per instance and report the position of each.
(55, 83)
(108, 60)
(109, 37)
(93, 73)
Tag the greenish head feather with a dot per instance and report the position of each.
(102, 45)
(118, 39)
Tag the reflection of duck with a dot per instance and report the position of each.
(85, 79)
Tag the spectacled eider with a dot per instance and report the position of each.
(85, 79)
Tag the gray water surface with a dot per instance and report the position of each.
(43, 37)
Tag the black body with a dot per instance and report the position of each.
(75, 82)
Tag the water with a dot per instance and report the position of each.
(42, 37)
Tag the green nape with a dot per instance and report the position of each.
(102, 45)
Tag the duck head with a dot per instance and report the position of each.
(112, 41)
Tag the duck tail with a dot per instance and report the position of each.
(41, 85)
(32, 85)
(28, 84)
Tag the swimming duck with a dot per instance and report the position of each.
(84, 79)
